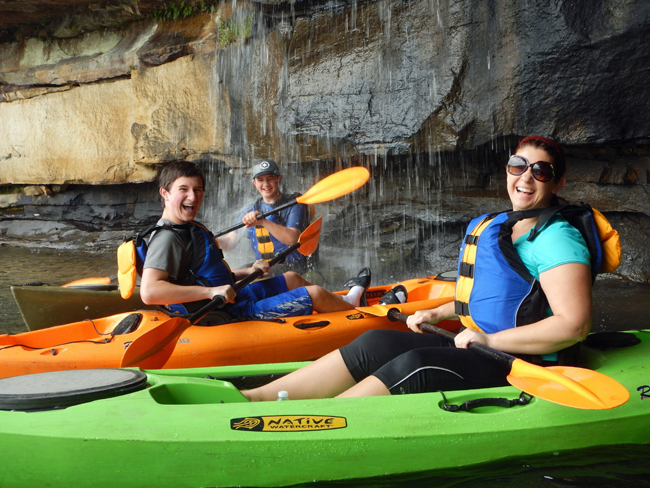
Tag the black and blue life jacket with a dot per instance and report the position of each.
(494, 289)
(207, 267)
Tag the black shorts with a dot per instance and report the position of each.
(407, 362)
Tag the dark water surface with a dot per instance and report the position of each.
(618, 305)
(24, 265)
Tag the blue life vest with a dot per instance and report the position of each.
(207, 267)
(494, 289)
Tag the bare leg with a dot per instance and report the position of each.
(324, 301)
(370, 386)
(324, 378)
(294, 280)
(321, 299)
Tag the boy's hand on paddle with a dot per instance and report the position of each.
(250, 219)
(262, 266)
(225, 291)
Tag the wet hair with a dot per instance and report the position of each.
(552, 148)
(176, 170)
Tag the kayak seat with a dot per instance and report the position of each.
(128, 324)
(247, 382)
(221, 317)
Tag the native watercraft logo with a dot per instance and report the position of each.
(358, 316)
(288, 423)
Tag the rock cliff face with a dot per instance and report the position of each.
(431, 96)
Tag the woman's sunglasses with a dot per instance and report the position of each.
(542, 170)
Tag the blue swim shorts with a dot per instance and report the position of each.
(270, 299)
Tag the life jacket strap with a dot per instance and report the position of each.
(466, 270)
(461, 308)
(471, 240)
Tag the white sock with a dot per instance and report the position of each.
(354, 295)
(400, 296)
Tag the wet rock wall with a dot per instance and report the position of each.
(430, 95)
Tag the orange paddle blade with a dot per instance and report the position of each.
(308, 240)
(336, 185)
(153, 348)
(569, 386)
(409, 308)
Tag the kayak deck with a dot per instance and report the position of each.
(103, 342)
(181, 431)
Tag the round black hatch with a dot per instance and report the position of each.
(60, 389)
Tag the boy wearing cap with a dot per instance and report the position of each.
(278, 231)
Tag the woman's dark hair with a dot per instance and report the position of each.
(552, 148)
(176, 170)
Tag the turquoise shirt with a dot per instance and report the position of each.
(559, 243)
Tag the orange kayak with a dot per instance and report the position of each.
(105, 342)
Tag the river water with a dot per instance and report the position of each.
(618, 305)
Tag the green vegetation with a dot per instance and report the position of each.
(41, 32)
(11, 189)
(232, 30)
(182, 11)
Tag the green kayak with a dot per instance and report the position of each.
(193, 428)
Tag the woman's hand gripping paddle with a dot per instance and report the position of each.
(334, 186)
(569, 386)
(153, 348)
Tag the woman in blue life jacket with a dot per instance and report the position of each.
(384, 362)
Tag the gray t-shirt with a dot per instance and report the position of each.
(170, 251)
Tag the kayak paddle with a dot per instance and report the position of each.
(150, 345)
(334, 186)
(565, 385)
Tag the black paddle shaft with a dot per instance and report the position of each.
(291, 202)
(482, 349)
(219, 301)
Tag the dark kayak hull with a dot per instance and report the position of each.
(48, 306)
